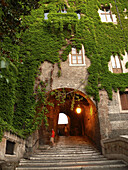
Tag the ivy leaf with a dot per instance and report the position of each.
(13, 68)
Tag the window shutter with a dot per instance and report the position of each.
(124, 100)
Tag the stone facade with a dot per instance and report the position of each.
(71, 76)
(113, 122)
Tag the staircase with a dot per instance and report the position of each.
(70, 153)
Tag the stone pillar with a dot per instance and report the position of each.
(105, 126)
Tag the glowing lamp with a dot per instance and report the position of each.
(78, 110)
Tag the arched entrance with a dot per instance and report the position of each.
(82, 123)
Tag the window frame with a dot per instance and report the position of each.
(104, 12)
(116, 69)
(77, 54)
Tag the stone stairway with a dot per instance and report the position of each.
(70, 153)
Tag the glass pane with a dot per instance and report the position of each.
(79, 59)
(114, 17)
(109, 19)
(73, 50)
(100, 11)
(46, 15)
(113, 62)
(74, 57)
(74, 60)
(103, 18)
(117, 61)
(78, 16)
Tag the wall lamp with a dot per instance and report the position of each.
(78, 110)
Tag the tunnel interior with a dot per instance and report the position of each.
(85, 123)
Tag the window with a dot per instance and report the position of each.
(78, 14)
(106, 15)
(63, 10)
(116, 64)
(10, 147)
(77, 58)
(125, 13)
(46, 15)
(124, 100)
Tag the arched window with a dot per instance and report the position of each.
(63, 119)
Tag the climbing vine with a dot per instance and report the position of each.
(41, 40)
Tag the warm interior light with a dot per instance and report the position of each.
(78, 110)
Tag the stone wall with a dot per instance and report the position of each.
(71, 76)
(113, 122)
(19, 147)
(32, 143)
(105, 126)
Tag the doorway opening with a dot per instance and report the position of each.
(63, 125)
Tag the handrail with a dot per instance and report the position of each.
(116, 147)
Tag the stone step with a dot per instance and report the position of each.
(88, 163)
(67, 153)
(70, 154)
(75, 167)
(66, 149)
(62, 160)
(65, 156)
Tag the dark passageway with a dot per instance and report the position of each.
(85, 123)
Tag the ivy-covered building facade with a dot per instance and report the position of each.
(68, 54)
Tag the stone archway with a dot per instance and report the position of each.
(85, 123)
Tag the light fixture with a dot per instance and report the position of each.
(78, 110)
